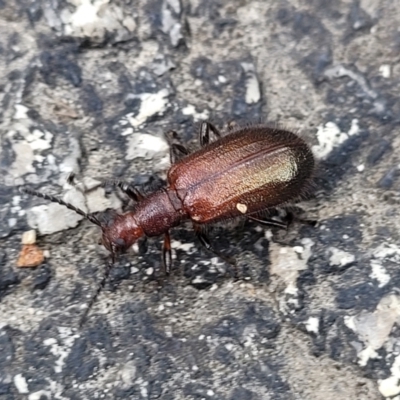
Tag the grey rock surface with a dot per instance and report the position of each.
(89, 87)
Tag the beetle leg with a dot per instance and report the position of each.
(204, 133)
(268, 222)
(292, 217)
(206, 243)
(167, 254)
(177, 150)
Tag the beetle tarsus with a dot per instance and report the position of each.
(268, 222)
(204, 133)
(167, 254)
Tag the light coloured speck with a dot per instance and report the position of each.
(241, 207)
(134, 270)
(151, 104)
(197, 116)
(201, 337)
(142, 145)
(329, 137)
(21, 384)
(379, 273)
(12, 222)
(128, 374)
(286, 264)
(340, 258)
(150, 271)
(16, 200)
(171, 26)
(195, 368)
(312, 325)
(20, 112)
(385, 71)
(253, 93)
(40, 395)
(339, 71)
(373, 328)
(361, 168)
(221, 79)
(29, 237)
(210, 392)
(390, 387)
(187, 247)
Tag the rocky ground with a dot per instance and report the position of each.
(89, 87)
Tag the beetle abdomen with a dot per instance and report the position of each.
(247, 171)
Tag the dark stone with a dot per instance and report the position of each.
(78, 363)
(7, 349)
(8, 279)
(58, 64)
(378, 151)
(316, 62)
(242, 394)
(91, 100)
(6, 389)
(388, 179)
(264, 318)
(229, 327)
(362, 296)
(34, 11)
(358, 18)
(42, 277)
(267, 374)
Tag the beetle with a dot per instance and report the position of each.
(250, 170)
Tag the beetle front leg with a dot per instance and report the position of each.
(206, 243)
(167, 254)
(204, 134)
(176, 149)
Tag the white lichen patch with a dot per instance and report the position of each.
(27, 143)
(253, 93)
(379, 273)
(287, 262)
(390, 387)
(95, 19)
(312, 325)
(197, 116)
(21, 384)
(374, 328)
(61, 350)
(340, 258)
(151, 104)
(330, 136)
(143, 145)
(170, 23)
(52, 217)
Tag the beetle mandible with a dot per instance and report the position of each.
(250, 170)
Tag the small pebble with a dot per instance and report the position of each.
(30, 256)
(29, 237)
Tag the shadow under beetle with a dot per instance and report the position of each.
(251, 170)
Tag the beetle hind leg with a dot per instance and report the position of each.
(204, 240)
(176, 149)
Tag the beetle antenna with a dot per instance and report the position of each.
(100, 287)
(54, 199)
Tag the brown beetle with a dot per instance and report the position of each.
(250, 170)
